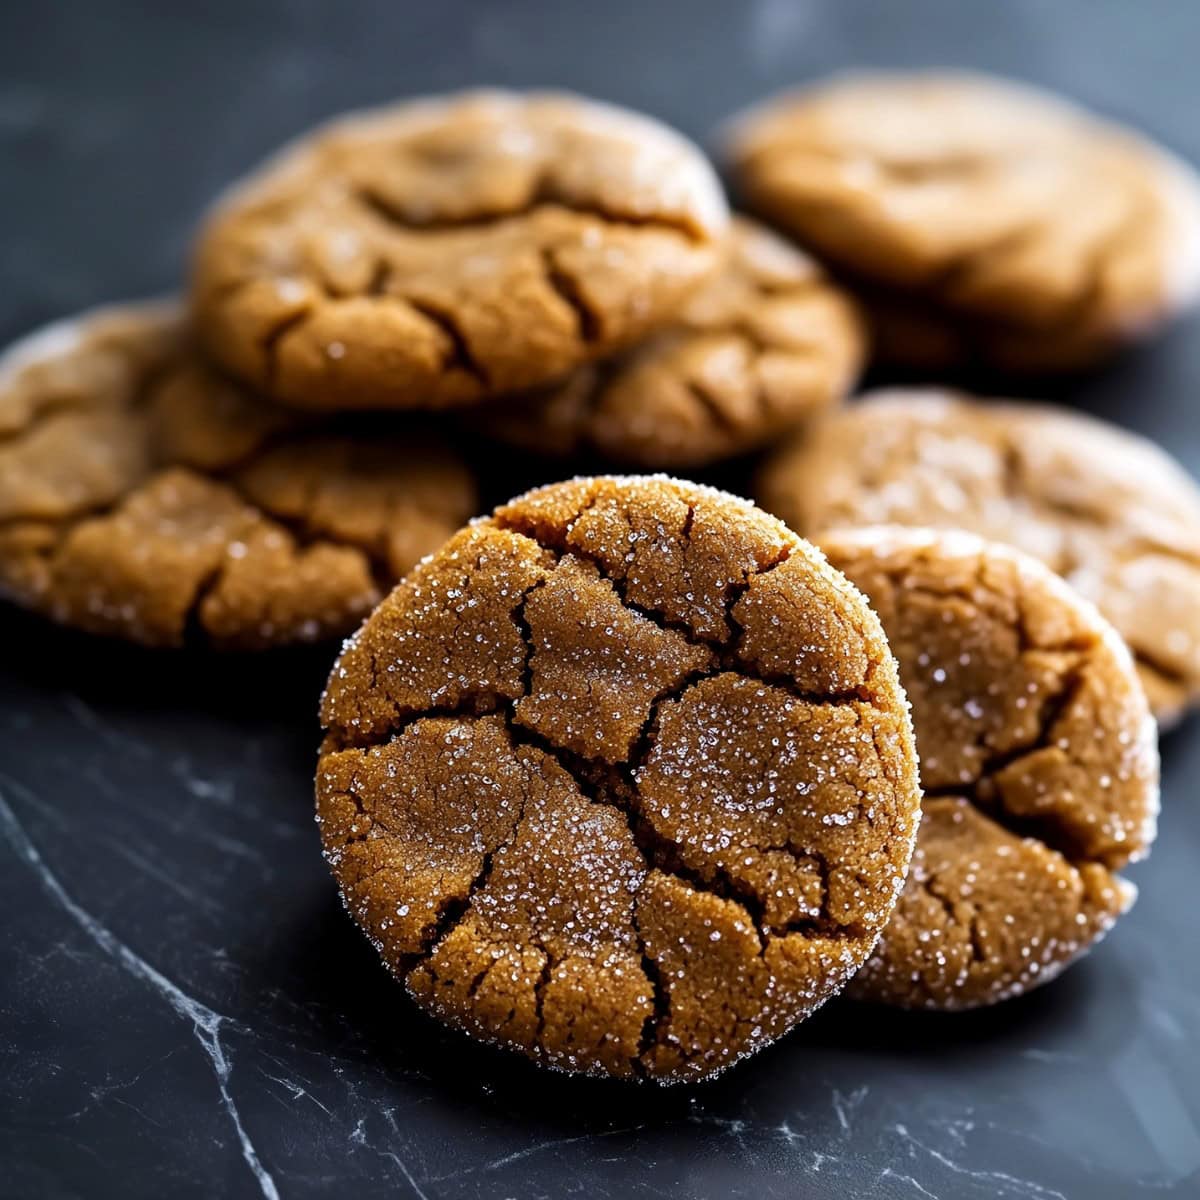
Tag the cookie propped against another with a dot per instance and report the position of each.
(621, 778)
(1039, 765)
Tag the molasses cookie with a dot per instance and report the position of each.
(1106, 509)
(1038, 761)
(1009, 225)
(143, 495)
(621, 778)
(768, 343)
(440, 251)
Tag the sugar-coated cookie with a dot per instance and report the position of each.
(1111, 512)
(768, 343)
(440, 251)
(621, 778)
(145, 496)
(1039, 763)
(1000, 223)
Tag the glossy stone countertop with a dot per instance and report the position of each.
(185, 1010)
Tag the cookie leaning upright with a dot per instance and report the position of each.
(143, 495)
(769, 342)
(1039, 763)
(440, 251)
(621, 778)
(1002, 222)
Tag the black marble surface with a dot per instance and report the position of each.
(184, 1009)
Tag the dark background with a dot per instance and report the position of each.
(184, 1009)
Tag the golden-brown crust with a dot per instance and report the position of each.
(144, 496)
(438, 252)
(1039, 764)
(767, 344)
(622, 778)
(1032, 234)
(1106, 509)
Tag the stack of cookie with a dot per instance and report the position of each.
(628, 776)
(561, 273)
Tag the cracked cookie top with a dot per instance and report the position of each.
(441, 251)
(1039, 764)
(145, 496)
(1023, 230)
(621, 778)
(766, 344)
(1106, 509)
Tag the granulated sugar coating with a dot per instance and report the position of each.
(767, 344)
(144, 496)
(621, 778)
(1039, 762)
(1109, 511)
(441, 251)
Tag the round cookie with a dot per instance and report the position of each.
(441, 251)
(621, 778)
(144, 496)
(1106, 509)
(766, 344)
(1039, 764)
(1009, 225)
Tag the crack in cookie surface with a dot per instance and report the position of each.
(768, 343)
(1039, 767)
(144, 496)
(620, 670)
(454, 250)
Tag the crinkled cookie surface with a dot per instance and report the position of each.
(622, 778)
(438, 252)
(768, 343)
(1010, 225)
(1039, 763)
(144, 496)
(1109, 511)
